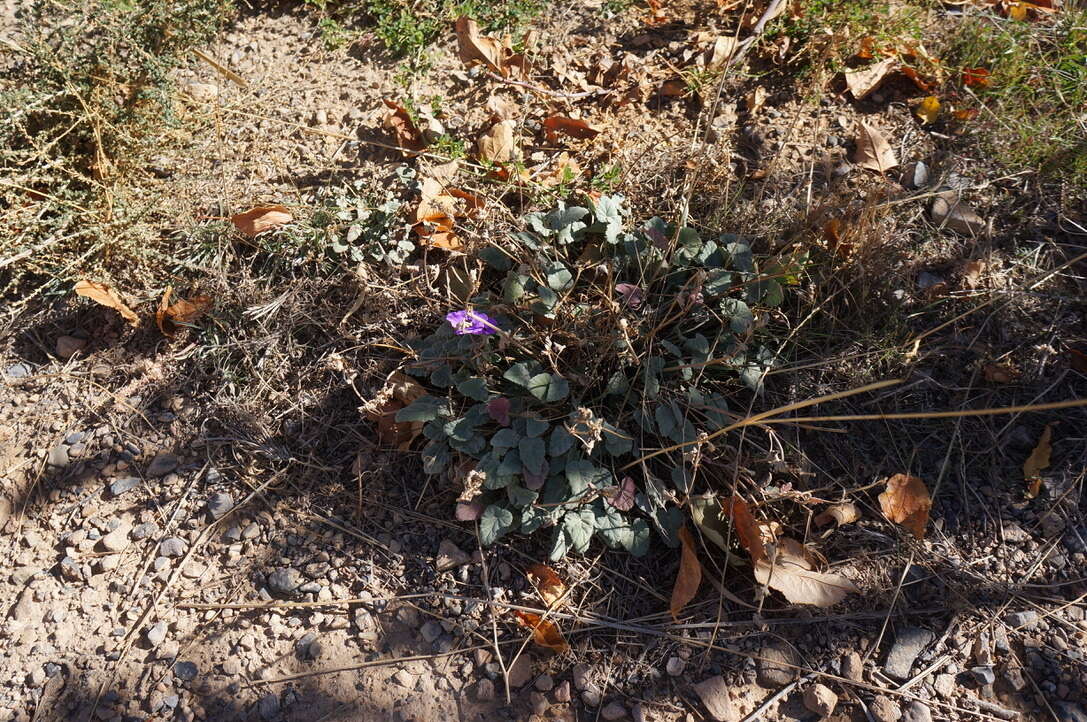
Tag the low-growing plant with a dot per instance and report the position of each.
(587, 344)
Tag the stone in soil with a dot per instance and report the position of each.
(120, 486)
(18, 371)
(117, 540)
(714, 695)
(944, 684)
(68, 346)
(485, 690)
(613, 711)
(1022, 620)
(852, 666)
(285, 581)
(884, 709)
(916, 711)
(915, 175)
(562, 692)
(581, 676)
(405, 679)
(185, 671)
(145, 530)
(544, 683)
(1069, 712)
(820, 699)
(774, 668)
(449, 556)
(675, 666)
(907, 646)
(220, 504)
(162, 465)
(268, 706)
(58, 456)
(156, 634)
(520, 671)
(431, 630)
(538, 702)
(983, 675)
(172, 547)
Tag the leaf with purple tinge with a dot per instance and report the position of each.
(623, 498)
(632, 295)
(469, 510)
(535, 481)
(499, 410)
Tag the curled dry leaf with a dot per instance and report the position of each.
(746, 528)
(260, 219)
(873, 150)
(717, 55)
(689, 577)
(971, 273)
(564, 170)
(399, 391)
(497, 144)
(999, 373)
(755, 99)
(863, 81)
(544, 631)
(180, 313)
(906, 501)
(1037, 461)
(573, 127)
(792, 574)
(928, 109)
(975, 77)
(399, 122)
(548, 583)
(473, 48)
(102, 294)
(844, 513)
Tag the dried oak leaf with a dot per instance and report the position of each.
(792, 574)
(180, 313)
(260, 219)
(999, 373)
(873, 150)
(399, 122)
(689, 577)
(844, 513)
(746, 528)
(975, 77)
(102, 294)
(399, 391)
(1037, 461)
(907, 502)
(544, 631)
(573, 127)
(864, 80)
(548, 583)
(496, 54)
(497, 143)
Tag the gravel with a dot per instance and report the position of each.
(120, 486)
(219, 505)
(1022, 620)
(156, 634)
(162, 465)
(285, 581)
(907, 646)
(172, 547)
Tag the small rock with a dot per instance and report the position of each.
(58, 456)
(120, 486)
(581, 676)
(774, 668)
(117, 540)
(404, 678)
(162, 465)
(544, 683)
(1022, 620)
(25, 609)
(820, 699)
(907, 646)
(431, 630)
(185, 671)
(220, 504)
(156, 634)
(36, 678)
(18, 371)
(983, 675)
(949, 210)
(232, 666)
(613, 711)
(268, 706)
(562, 692)
(944, 684)
(145, 530)
(883, 709)
(675, 666)
(916, 711)
(591, 697)
(449, 556)
(520, 671)
(172, 547)
(201, 92)
(853, 666)
(915, 175)
(74, 438)
(1015, 679)
(538, 702)
(68, 346)
(285, 581)
(485, 690)
(1069, 712)
(714, 695)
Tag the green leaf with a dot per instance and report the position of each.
(738, 313)
(511, 463)
(611, 526)
(521, 373)
(474, 388)
(495, 522)
(773, 294)
(582, 474)
(424, 408)
(561, 441)
(505, 439)
(494, 257)
(639, 541)
(546, 300)
(515, 287)
(682, 479)
(536, 427)
(666, 420)
(608, 211)
(442, 376)
(579, 526)
(519, 496)
(706, 513)
(667, 520)
(559, 277)
(616, 441)
(533, 454)
(548, 387)
(435, 457)
(739, 255)
(560, 543)
(717, 283)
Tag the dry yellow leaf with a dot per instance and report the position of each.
(102, 294)
(261, 219)
(544, 632)
(907, 502)
(844, 513)
(928, 109)
(873, 150)
(1037, 461)
(547, 583)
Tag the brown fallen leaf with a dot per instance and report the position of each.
(182, 312)
(746, 528)
(548, 583)
(497, 143)
(1077, 360)
(907, 502)
(689, 577)
(863, 81)
(399, 391)
(719, 53)
(873, 150)
(791, 573)
(473, 48)
(260, 219)
(437, 231)
(971, 273)
(399, 122)
(1037, 461)
(999, 373)
(502, 108)
(754, 100)
(844, 513)
(544, 631)
(564, 170)
(950, 211)
(573, 127)
(102, 294)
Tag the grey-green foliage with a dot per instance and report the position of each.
(555, 463)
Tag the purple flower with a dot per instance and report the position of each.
(474, 323)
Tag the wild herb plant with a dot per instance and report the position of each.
(587, 345)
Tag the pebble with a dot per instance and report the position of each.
(773, 671)
(538, 702)
(883, 709)
(983, 675)
(581, 676)
(145, 530)
(405, 679)
(544, 683)
(171, 547)
(915, 175)
(285, 581)
(907, 646)
(485, 690)
(58, 456)
(449, 556)
(68, 346)
(156, 634)
(613, 711)
(852, 666)
(232, 666)
(916, 711)
(431, 630)
(675, 666)
(36, 678)
(268, 706)
(185, 671)
(944, 684)
(562, 692)
(18, 371)
(820, 699)
(520, 671)
(219, 505)
(162, 465)
(591, 697)
(117, 540)
(714, 695)
(1022, 620)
